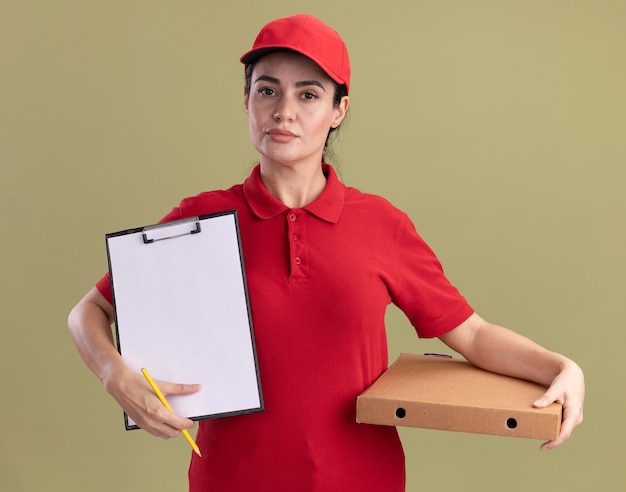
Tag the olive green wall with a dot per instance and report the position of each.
(497, 125)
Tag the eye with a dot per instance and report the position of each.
(309, 96)
(267, 91)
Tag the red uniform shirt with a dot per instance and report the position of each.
(320, 279)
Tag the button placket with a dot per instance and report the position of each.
(297, 250)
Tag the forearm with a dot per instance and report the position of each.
(501, 350)
(90, 327)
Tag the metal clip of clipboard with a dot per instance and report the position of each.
(170, 230)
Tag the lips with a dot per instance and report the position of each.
(281, 135)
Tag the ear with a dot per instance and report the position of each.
(246, 99)
(340, 111)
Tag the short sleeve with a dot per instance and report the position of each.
(422, 291)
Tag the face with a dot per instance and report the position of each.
(290, 109)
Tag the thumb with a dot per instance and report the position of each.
(170, 389)
(545, 400)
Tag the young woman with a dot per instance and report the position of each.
(323, 261)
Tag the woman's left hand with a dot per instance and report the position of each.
(500, 350)
(567, 388)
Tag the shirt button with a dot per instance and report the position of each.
(292, 217)
(298, 260)
(294, 237)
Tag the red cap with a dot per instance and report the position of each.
(309, 36)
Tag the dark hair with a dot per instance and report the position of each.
(340, 91)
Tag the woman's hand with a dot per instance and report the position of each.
(567, 388)
(90, 326)
(133, 393)
(503, 351)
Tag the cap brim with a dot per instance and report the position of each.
(253, 55)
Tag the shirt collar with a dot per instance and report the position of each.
(327, 206)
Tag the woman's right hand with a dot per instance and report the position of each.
(90, 326)
(133, 393)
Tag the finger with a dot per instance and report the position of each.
(572, 416)
(162, 430)
(169, 389)
(562, 437)
(163, 422)
(153, 422)
(546, 399)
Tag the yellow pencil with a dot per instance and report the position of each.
(161, 397)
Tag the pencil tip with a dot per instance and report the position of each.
(198, 452)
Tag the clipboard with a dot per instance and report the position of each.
(434, 391)
(182, 310)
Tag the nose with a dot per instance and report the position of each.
(285, 110)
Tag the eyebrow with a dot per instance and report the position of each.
(302, 83)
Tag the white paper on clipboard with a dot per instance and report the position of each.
(182, 311)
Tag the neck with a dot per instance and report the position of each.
(295, 187)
